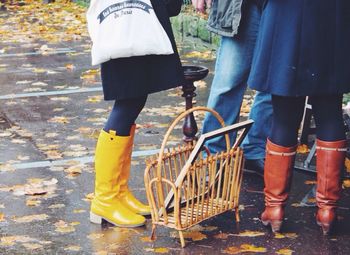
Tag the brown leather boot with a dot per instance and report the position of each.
(277, 176)
(329, 163)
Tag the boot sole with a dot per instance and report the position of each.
(326, 228)
(94, 218)
(275, 225)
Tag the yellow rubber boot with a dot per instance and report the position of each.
(125, 195)
(109, 160)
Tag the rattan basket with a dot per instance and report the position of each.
(184, 188)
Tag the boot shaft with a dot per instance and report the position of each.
(329, 164)
(278, 173)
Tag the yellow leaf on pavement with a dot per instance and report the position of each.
(249, 234)
(302, 149)
(284, 251)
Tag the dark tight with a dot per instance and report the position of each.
(288, 113)
(124, 114)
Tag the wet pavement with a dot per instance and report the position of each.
(51, 111)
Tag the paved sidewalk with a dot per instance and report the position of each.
(51, 111)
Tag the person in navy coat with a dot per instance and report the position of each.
(303, 49)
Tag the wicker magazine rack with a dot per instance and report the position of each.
(184, 188)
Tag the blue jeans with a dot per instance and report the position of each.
(233, 62)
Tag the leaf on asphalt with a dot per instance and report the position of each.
(95, 236)
(347, 164)
(2, 206)
(2, 217)
(200, 84)
(70, 67)
(244, 248)
(286, 235)
(222, 236)
(22, 158)
(31, 218)
(29, 90)
(203, 228)
(94, 99)
(310, 182)
(59, 119)
(248, 233)
(51, 135)
(64, 227)
(56, 206)
(18, 141)
(75, 170)
(39, 84)
(285, 251)
(89, 197)
(32, 246)
(6, 168)
(32, 202)
(35, 187)
(62, 99)
(39, 70)
(73, 248)
(58, 110)
(12, 240)
(79, 211)
(146, 239)
(194, 235)
(157, 250)
(303, 149)
(5, 134)
(346, 183)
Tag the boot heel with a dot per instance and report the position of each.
(326, 228)
(276, 226)
(95, 218)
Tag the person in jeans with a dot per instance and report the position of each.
(237, 22)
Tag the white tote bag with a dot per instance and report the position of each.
(125, 28)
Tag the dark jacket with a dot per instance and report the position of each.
(303, 48)
(224, 17)
(132, 77)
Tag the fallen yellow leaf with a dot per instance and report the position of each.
(346, 183)
(249, 234)
(347, 164)
(302, 149)
(284, 251)
(30, 218)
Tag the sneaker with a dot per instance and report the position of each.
(254, 166)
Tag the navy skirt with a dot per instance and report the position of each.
(303, 48)
(134, 77)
